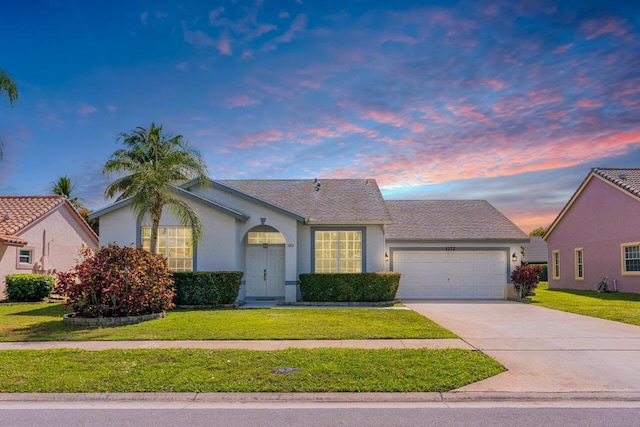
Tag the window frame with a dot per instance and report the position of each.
(579, 264)
(166, 248)
(623, 258)
(555, 265)
(363, 246)
(25, 265)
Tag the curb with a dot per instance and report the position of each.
(325, 397)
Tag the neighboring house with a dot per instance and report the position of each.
(274, 230)
(597, 233)
(536, 251)
(40, 234)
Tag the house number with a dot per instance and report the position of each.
(450, 248)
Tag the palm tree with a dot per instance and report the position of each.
(64, 187)
(153, 163)
(8, 86)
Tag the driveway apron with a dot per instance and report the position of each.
(544, 350)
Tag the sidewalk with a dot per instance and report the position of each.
(266, 345)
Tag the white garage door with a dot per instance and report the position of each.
(457, 274)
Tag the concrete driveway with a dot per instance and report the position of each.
(544, 350)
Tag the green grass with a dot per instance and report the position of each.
(618, 306)
(43, 322)
(191, 370)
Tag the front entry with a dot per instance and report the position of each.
(265, 270)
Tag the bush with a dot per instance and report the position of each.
(206, 287)
(116, 282)
(526, 278)
(28, 287)
(349, 287)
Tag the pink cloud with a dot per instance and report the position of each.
(224, 45)
(261, 138)
(241, 101)
(198, 38)
(589, 103)
(562, 49)
(594, 28)
(494, 83)
(385, 117)
(283, 15)
(309, 84)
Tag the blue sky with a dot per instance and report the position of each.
(507, 101)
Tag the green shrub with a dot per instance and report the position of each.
(349, 287)
(116, 282)
(28, 287)
(206, 287)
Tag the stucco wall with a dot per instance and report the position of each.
(55, 241)
(601, 218)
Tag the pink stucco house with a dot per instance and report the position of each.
(597, 234)
(40, 234)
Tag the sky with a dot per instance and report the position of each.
(508, 101)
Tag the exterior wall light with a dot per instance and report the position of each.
(514, 257)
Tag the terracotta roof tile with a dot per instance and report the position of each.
(627, 179)
(18, 212)
(449, 220)
(336, 201)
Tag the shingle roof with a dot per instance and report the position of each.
(536, 250)
(627, 179)
(337, 200)
(18, 212)
(449, 220)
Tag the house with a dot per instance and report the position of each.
(536, 251)
(597, 233)
(274, 230)
(40, 234)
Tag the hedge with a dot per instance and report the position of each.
(206, 287)
(28, 287)
(349, 287)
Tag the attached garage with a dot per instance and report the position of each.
(452, 249)
(438, 273)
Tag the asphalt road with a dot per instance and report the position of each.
(522, 415)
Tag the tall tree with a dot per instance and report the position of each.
(64, 187)
(8, 86)
(539, 231)
(149, 167)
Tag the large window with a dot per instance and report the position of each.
(630, 259)
(338, 251)
(555, 259)
(579, 264)
(265, 237)
(175, 243)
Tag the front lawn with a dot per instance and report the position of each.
(43, 322)
(618, 306)
(197, 370)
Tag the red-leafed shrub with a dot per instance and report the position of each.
(526, 278)
(116, 282)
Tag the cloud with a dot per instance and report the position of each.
(198, 38)
(182, 66)
(597, 27)
(143, 17)
(297, 26)
(241, 101)
(86, 110)
(224, 45)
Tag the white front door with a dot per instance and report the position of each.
(265, 271)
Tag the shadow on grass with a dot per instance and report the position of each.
(54, 310)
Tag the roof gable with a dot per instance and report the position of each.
(330, 201)
(626, 180)
(456, 220)
(19, 212)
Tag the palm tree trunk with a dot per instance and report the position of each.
(153, 244)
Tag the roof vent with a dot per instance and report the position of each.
(7, 215)
(317, 186)
(623, 175)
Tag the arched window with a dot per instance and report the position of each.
(264, 234)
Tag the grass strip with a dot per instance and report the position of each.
(617, 306)
(198, 370)
(43, 322)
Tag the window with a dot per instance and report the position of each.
(338, 251)
(579, 264)
(175, 243)
(25, 256)
(268, 237)
(555, 258)
(630, 259)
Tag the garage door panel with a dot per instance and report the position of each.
(451, 275)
